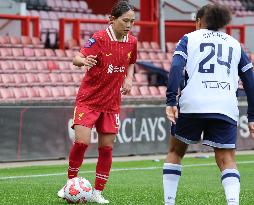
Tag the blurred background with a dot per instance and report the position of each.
(38, 83)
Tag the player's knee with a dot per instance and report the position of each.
(83, 140)
(225, 160)
(176, 151)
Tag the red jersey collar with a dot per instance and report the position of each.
(112, 35)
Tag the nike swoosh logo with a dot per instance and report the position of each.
(110, 54)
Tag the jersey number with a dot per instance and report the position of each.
(212, 54)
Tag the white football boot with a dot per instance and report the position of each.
(98, 198)
(60, 193)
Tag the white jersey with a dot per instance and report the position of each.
(213, 60)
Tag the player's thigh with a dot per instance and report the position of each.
(82, 134)
(83, 121)
(188, 129)
(106, 139)
(108, 123)
(220, 134)
(177, 150)
(85, 116)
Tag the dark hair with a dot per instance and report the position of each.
(120, 8)
(215, 16)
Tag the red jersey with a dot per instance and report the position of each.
(100, 88)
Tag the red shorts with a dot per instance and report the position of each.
(104, 122)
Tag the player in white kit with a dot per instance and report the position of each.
(213, 63)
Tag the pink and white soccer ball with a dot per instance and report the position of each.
(78, 190)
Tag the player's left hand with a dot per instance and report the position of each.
(126, 88)
(251, 128)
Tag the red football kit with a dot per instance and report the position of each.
(100, 88)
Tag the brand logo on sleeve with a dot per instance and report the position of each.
(90, 42)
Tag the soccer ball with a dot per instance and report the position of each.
(77, 190)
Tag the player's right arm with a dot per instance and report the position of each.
(174, 79)
(87, 55)
(87, 61)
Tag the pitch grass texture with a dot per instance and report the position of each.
(199, 184)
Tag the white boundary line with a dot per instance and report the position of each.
(115, 170)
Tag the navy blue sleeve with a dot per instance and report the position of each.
(176, 71)
(181, 48)
(174, 79)
(245, 63)
(247, 78)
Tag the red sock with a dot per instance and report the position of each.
(76, 158)
(103, 167)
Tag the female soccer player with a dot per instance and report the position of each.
(109, 58)
(208, 103)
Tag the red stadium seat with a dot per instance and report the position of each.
(162, 90)
(40, 53)
(20, 93)
(170, 47)
(55, 78)
(6, 66)
(19, 79)
(70, 53)
(43, 14)
(169, 56)
(135, 91)
(154, 91)
(166, 66)
(153, 56)
(63, 65)
(37, 43)
(15, 41)
(52, 15)
(7, 93)
(57, 92)
(18, 53)
(6, 53)
(141, 78)
(44, 78)
(52, 65)
(44, 92)
(30, 66)
(66, 78)
(32, 78)
(50, 54)
(155, 46)
(77, 77)
(161, 56)
(26, 41)
(144, 90)
(5, 41)
(146, 45)
(32, 93)
(144, 56)
(70, 91)
(19, 66)
(42, 65)
(29, 52)
(7, 79)
(60, 53)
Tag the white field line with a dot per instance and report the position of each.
(115, 170)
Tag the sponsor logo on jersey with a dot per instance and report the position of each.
(90, 42)
(216, 85)
(115, 69)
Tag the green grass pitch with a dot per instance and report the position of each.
(130, 183)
